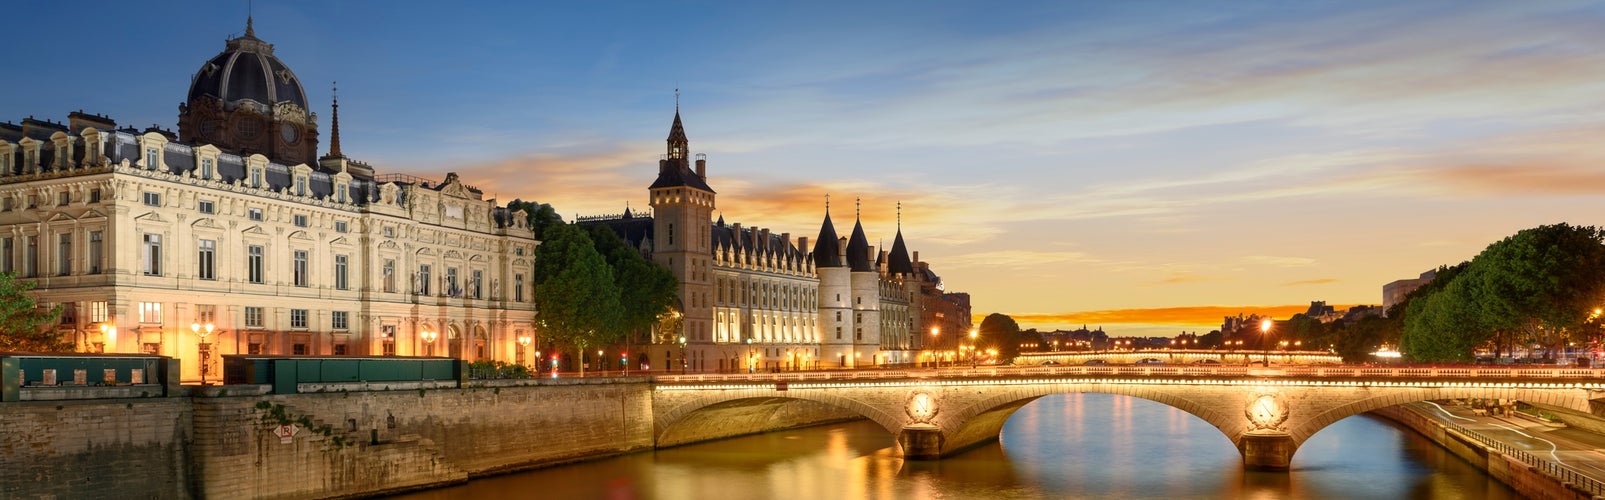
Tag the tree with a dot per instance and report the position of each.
(999, 331)
(1356, 341)
(1542, 282)
(646, 290)
(575, 294)
(541, 216)
(20, 319)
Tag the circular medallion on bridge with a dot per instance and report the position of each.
(922, 406)
(1266, 411)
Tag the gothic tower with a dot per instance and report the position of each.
(865, 284)
(835, 298)
(682, 205)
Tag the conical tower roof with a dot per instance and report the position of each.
(858, 250)
(827, 251)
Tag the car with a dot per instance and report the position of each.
(1050, 362)
(1095, 362)
(1150, 361)
(1207, 362)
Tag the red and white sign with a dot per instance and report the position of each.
(286, 433)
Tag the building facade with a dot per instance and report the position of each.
(150, 240)
(753, 300)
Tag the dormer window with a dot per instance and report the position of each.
(340, 193)
(300, 186)
(152, 158)
(256, 177)
(207, 168)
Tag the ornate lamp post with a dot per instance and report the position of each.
(523, 343)
(1264, 342)
(205, 348)
(109, 336)
(429, 340)
(936, 334)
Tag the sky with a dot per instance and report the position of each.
(1147, 167)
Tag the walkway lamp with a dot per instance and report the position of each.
(205, 348)
(1265, 348)
(523, 343)
(429, 337)
(109, 337)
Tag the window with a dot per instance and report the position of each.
(30, 266)
(298, 349)
(150, 312)
(390, 348)
(340, 272)
(838, 316)
(300, 268)
(390, 232)
(255, 214)
(153, 254)
(340, 320)
(94, 195)
(300, 186)
(33, 201)
(64, 254)
(339, 349)
(298, 318)
(7, 254)
(340, 193)
(153, 199)
(253, 348)
(671, 234)
(340, 226)
(423, 279)
(63, 198)
(477, 289)
(253, 263)
(390, 275)
(518, 288)
(300, 220)
(97, 311)
(206, 207)
(96, 243)
(207, 259)
(205, 313)
(256, 178)
(838, 333)
(451, 281)
(253, 317)
(151, 158)
(207, 168)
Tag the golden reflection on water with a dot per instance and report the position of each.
(1067, 446)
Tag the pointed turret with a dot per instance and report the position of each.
(858, 250)
(898, 262)
(827, 253)
(334, 123)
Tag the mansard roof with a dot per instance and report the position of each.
(676, 173)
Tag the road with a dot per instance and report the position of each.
(1575, 448)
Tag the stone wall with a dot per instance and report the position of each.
(108, 448)
(751, 416)
(368, 442)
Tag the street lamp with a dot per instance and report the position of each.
(1265, 348)
(936, 333)
(110, 336)
(523, 343)
(429, 340)
(205, 348)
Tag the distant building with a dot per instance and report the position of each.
(1322, 312)
(1395, 292)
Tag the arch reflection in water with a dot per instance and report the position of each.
(1062, 446)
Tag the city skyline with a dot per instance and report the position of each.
(1153, 166)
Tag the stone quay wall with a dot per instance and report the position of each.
(1530, 481)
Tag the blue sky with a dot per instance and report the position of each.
(1062, 161)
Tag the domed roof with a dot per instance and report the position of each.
(247, 69)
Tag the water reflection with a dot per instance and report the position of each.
(1074, 445)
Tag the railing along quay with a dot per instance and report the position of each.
(1560, 471)
(1317, 371)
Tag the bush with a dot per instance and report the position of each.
(497, 369)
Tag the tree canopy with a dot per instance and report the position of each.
(1539, 286)
(574, 291)
(646, 290)
(21, 319)
(999, 331)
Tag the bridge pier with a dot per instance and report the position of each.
(921, 442)
(1267, 451)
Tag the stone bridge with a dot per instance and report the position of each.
(1266, 412)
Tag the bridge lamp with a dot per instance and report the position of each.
(1265, 331)
(204, 348)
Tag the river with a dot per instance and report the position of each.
(1064, 446)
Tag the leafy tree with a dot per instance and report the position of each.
(541, 216)
(646, 290)
(1356, 341)
(20, 319)
(1542, 282)
(575, 294)
(1210, 340)
(1445, 326)
(999, 331)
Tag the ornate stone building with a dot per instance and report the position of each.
(752, 299)
(141, 234)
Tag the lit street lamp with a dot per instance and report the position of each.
(523, 343)
(1265, 348)
(429, 340)
(204, 348)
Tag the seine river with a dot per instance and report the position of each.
(1066, 446)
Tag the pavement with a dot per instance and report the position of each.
(1575, 448)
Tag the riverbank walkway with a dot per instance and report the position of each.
(1575, 455)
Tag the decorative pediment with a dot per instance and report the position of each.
(426, 251)
(454, 187)
(453, 254)
(92, 214)
(206, 223)
(389, 245)
(256, 230)
(340, 241)
(150, 217)
(520, 262)
(477, 258)
(300, 235)
(59, 217)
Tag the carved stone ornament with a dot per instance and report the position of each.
(1266, 410)
(922, 407)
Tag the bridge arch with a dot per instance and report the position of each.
(677, 409)
(981, 420)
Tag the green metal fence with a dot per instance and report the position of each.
(286, 372)
(19, 370)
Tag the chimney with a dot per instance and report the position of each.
(785, 240)
(802, 244)
(80, 120)
(702, 167)
(735, 236)
(763, 239)
(916, 256)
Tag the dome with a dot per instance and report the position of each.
(247, 69)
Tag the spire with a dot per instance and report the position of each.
(898, 262)
(334, 132)
(250, 31)
(678, 145)
(858, 244)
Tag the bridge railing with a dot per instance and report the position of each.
(1560, 471)
(1189, 370)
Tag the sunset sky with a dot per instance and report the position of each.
(1145, 166)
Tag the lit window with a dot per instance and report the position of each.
(150, 312)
